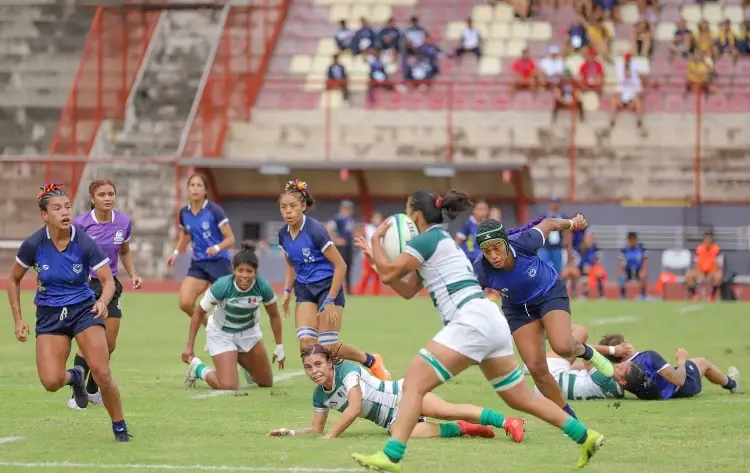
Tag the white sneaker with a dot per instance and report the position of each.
(72, 405)
(190, 378)
(96, 399)
(734, 373)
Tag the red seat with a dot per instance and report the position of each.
(652, 101)
(679, 67)
(724, 67)
(674, 103)
(716, 103)
(738, 102)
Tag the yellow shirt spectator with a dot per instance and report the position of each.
(698, 71)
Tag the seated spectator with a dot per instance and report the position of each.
(378, 76)
(699, 74)
(633, 266)
(343, 37)
(704, 40)
(415, 35)
(725, 42)
(433, 52)
(389, 37)
(708, 267)
(584, 263)
(470, 41)
(525, 74)
(599, 36)
(521, 8)
(634, 67)
(629, 89)
(552, 67)
(643, 4)
(683, 43)
(364, 38)
(610, 9)
(337, 78)
(592, 73)
(641, 42)
(419, 71)
(743, 39)
(578, 38)
(567, 96)
(584, 8)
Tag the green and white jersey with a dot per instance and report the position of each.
(379, 398)
(236, 310)
(446, 271)
(580, 385)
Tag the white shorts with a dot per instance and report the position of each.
(395, 409)
(479, 331)
(219, 341)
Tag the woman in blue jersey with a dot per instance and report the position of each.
(345, 387)
(534, 300)
(205, 224)
(65, 304)
(315, 272)
(466, 238)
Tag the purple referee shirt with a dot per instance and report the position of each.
(109, 235)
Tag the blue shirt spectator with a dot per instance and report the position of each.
(343, 37)
(390, 36)
(415, 35)
(364, 38)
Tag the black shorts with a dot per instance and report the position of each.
(69, 320)
(114, 305)
(692, 384)
(631, 274)
(210, 269)
(519, 315)
(316, 292)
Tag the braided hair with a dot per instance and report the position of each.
(299, 188)
(46, 193)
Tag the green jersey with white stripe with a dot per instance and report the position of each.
(446, 271)
(379, 398)
(586, 385)
(236, 310)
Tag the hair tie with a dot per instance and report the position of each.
(439, 202)
(296, 185)
(46, 189)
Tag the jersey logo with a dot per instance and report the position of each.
(205, 225)
(504, 292)
(45, 267)
(333, 404)
(77, 268)
(118, 237)
(253, 300)
(307, 255)
(532, 272)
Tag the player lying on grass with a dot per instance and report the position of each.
(233, 334)
(578, 379)
(348, 388)
(648, 376)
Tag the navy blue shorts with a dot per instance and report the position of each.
(317, 292)
(114, 305)
(631, 274)
(519, 315)
(210, 269)
(69, 320)
(692, 384)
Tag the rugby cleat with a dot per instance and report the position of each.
(515, 428)
(96, 398)
(734, 373)
(602, 364)
(594, 441)
(379, 370)
(190, 379)
(475, 430)
(123, 437)
(377, 462)
(72, 404)
(80, 396)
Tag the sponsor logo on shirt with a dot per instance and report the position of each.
(119, 237)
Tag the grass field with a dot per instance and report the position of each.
(180, 430)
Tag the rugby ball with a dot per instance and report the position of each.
(402, 230)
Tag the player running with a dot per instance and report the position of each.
(233, 332)
(111, 230)
(534, 300)
(345, 387)
(475, 331)
(65, 305)
(315, 272)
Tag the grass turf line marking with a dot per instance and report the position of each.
(276, 379)
(10, 439)
(136, 466)
(621, 319)
(690, 308)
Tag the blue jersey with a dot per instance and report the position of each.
(344, 228)
(654, 386)
(633, 257)
(306, 251)
(62, 276)
(469, 234)
(530, 277)
(555, 239)
(205, 229)
(587, 256)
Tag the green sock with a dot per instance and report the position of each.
(575, 430)
(490, 417)
(201, 371)
(394, 450)
(450, 429)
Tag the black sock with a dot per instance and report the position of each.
(91, 386)
(369, 360)
(714, 290)
(731, 384)
(691, 290)
(80, 361)
(588, 354)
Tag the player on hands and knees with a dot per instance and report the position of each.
(345, 387)
(534, 300)
(111, 231)
(65, 305)
(315, 272)
(233, 332)
(475, 331)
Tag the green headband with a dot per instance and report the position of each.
(490, 236)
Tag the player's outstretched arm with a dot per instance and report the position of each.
(561, 224)
(349, 415)
(318, 424)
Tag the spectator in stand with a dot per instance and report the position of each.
(343, 237)
(368, 272)
(578, 38)
(743, 39)
(337, 78)
(592, 73)
(610, 9)
(641, 42)
(390, 37)
(470, 42)
(629, 89)
(419, 71)
(567, 96)
(525, 74)
(552, 67)
(634, 67)
(496, 214)
(415, 35)
(599, 35)
(644, 4)
(699, 74)
(704, 40)
(633, 266)
(725, 42)
(683, 43)
(433, 52)
(467, 237)
(708, 267)
(585, 264)
(365, 38)
(379, 78)
(343, 37)
(584, 8)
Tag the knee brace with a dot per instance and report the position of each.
(329, 338)
(503, 383)
(440, 370)
(307, 332)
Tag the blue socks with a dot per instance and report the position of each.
(119, 427)
(369, 360)
(75, 377)
(588, 354)
(569, 411)
(731, 384)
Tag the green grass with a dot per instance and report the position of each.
(704, 434)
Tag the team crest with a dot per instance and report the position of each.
(205, 225)
(253, 300)
(532, 272)
(118, 237)
(77, 268)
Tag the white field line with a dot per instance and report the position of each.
(276, 379)
(620, 319)
(10, 439)
(136, 466)
(690, 308)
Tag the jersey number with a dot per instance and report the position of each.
(64, 313)
(207, 234)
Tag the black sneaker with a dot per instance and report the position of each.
(80, 395)
(123, 437)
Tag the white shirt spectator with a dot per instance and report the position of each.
(470, 38)
(629, 87)
(553, 65)
(369, 232)
(635, 70)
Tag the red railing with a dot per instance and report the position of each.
(237, 73)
